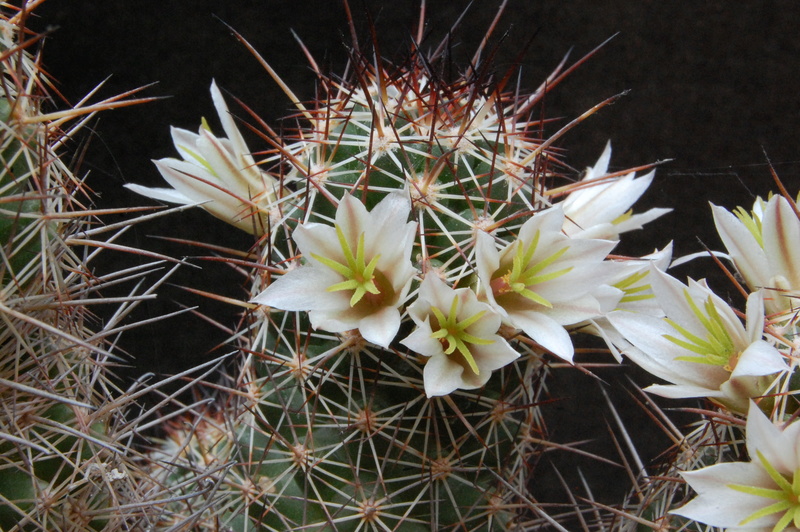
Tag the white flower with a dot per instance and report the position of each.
(633, 279)
(601, 207)
(701, 346)
(765, 247)
(459, 334)
(217, 173)
(545, 280)
(358, 272)
(763, 494)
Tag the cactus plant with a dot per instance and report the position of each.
(414, 266)
(422, 260)
(67, 460)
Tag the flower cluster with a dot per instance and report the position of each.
(462, 241)
(761, 494)
(704, 348)
(357, 274)
(419, 220)
(370, 270)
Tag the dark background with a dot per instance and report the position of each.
(713, 86)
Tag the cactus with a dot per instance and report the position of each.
(67, 460)
(421, 257)
(413, 268)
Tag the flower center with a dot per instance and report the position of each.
(358, 274)
(716, 348)
(787, 497)
(752, 222)
(524, 273)
(453, 335)
(624, 217)
(634, 291)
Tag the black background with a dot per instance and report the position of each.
(713, 86)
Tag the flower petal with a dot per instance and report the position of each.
(303, 289)
(747, 254)
(544, 331)
(781, 234)
(168, 195)
(682, 391)
(228, 123)
(574, 310)
(755, 316)
(634, 223)
(318, 239)
(421, 341)
(352, 218)
(442, 376)
(717, 504)
(759, 359)
(494, 356)
(487, 261)
(773, 443)
(380, 327)
(186, 143)
(193, 181)
(229, 169)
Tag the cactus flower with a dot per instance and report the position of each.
(701, 347)
(357, 273)
(633, 279)
(218, 174)
(601, 207)
(459, 334)
(762, 494)
(545, 280)
(763, 246)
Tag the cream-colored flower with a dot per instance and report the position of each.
(219, 174)
(601, 206)
(459, 334)
(633, 279)
(764, 244)
(357, 273)
(762, 494)
(545, 280)
(701, 347)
